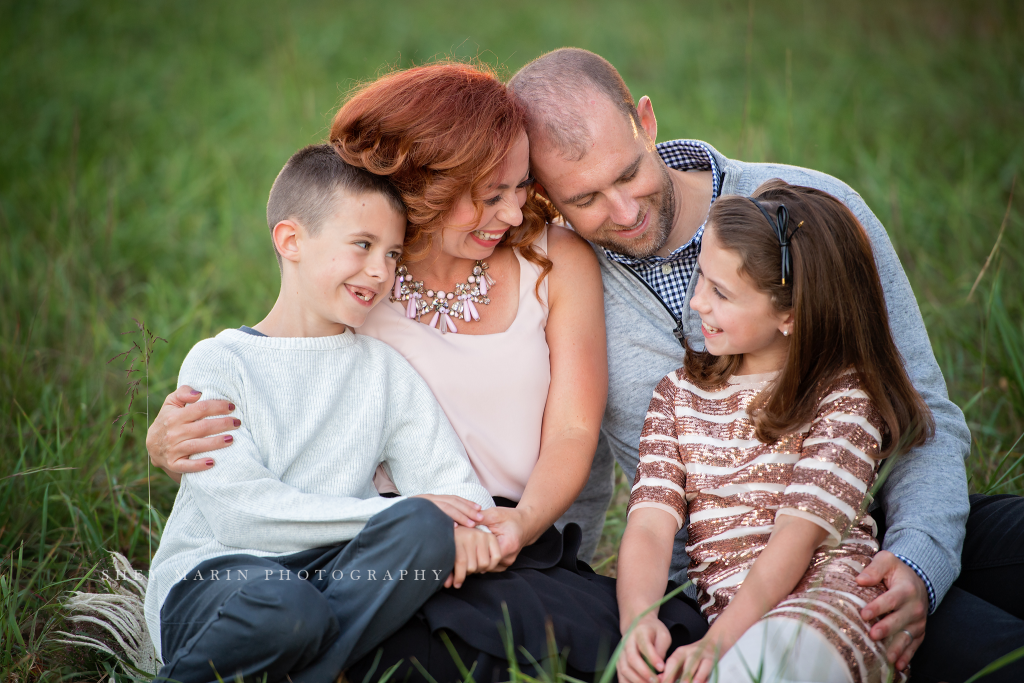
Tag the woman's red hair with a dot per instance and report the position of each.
(436, 130)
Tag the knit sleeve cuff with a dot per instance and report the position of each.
(919, 551)
(927, 582)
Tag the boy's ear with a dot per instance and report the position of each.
(286, 239)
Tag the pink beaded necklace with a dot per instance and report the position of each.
(446, 305)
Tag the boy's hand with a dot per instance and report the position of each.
(476, 552)
(643, 652)
(464, 512)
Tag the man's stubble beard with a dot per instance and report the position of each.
(652, 241)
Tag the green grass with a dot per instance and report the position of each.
(139, 142)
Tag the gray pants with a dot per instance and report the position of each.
(307, 615)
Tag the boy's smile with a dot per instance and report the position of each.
(332, 279)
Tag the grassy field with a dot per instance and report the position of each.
(139, 142)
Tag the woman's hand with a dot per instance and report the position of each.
(510, 528)
(180, 430)
(643, 652)
(464, 512)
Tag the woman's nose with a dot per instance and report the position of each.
(510, 212)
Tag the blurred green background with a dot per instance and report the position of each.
(138, 142)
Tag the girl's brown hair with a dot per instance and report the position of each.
(436, 130)
(839, 316)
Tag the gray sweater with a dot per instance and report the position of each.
(925, 496)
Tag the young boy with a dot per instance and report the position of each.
(282, 560)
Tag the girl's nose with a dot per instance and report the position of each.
(698, 301)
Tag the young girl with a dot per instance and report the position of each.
(767, 443)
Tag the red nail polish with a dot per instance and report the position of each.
(231, 406)
(209, 463)
(229, 438)
(238, 423)
(195, 393)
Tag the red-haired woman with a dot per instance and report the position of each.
(502, 314)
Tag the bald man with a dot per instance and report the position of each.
(643, 206)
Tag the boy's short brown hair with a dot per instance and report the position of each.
(306, 188)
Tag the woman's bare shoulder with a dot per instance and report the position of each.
(565, 246)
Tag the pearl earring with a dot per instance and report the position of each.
(785, 333)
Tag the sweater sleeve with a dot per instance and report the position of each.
(925, 494)
(837, 462)
(661, 473)
(244, 503)
(421, 451)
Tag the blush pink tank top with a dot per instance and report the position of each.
(492, 387)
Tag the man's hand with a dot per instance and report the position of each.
(905, 604)
(508, 526)
(648, 641)
(476, 552)
(180, 430)
(464, 512)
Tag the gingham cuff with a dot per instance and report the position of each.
(927, 584)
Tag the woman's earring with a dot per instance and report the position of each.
(785, 333)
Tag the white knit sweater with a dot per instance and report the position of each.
(318, 415)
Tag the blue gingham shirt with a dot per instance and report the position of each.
(669, 275)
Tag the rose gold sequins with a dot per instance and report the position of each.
(726, 546)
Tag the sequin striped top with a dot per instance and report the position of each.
(701, 463)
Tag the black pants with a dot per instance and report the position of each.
(982, 616)
(305, 616)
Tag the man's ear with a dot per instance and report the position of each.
(286, 235)
(647, 121)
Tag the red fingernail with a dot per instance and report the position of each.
(209, 463)
(229, 438)
(231, 406)
(238, 423)
(195, 393)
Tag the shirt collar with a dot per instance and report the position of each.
(681, 155)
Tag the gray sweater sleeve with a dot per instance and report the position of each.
(925, 496)
(247, 505)
(417, 425)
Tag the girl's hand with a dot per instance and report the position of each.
(643, 652)
(694, 662)
(509, 527)
(476, 552)
(181, 430)
(464, 512)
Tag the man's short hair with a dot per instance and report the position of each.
(554, 87)
(306, 189)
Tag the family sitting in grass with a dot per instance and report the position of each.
(482, 286)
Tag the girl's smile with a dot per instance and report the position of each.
(736, 317)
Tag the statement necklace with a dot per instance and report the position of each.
(446, 305)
